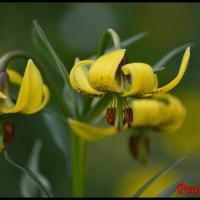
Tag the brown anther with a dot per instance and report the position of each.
(136, 144)
(128, 116)
(111, 115)
(9, 132)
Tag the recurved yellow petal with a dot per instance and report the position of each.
(173, 83)
(148, 112)
(79, 79)
(175, 113)
(164, 112)
(14, 77)
(90, 132)
(140, 79)
(104, 73)
(46, 97)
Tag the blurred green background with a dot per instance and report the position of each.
(74, 29)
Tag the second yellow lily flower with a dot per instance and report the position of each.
(33, 93)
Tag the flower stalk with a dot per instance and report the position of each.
(78, 159)
(78, 145)
(119, 113)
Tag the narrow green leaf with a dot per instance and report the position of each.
(42, 41)
(160, 65)
(158, 175)
(60, 133)
(27, 185)
(127, 42)
(133, 39)
(60, 65)
(29, 173)
(98, 108)
(57, 130)
(55, 89)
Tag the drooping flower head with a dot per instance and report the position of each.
(33, 95)
(112, 73)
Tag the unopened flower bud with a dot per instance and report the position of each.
(9, 131)
(111, 115)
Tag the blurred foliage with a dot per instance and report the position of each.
(74, 29)
(133, 180)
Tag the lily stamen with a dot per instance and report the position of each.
(9, 132)
(111, 115)
(128, 115)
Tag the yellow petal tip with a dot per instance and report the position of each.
(30, 60)
(188, 48)
(187, 51)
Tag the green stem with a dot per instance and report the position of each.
(119, 112)
(78, 159)
(78, 150)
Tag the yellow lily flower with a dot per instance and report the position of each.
(111, 73)
(33, 93)
(164, 112)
